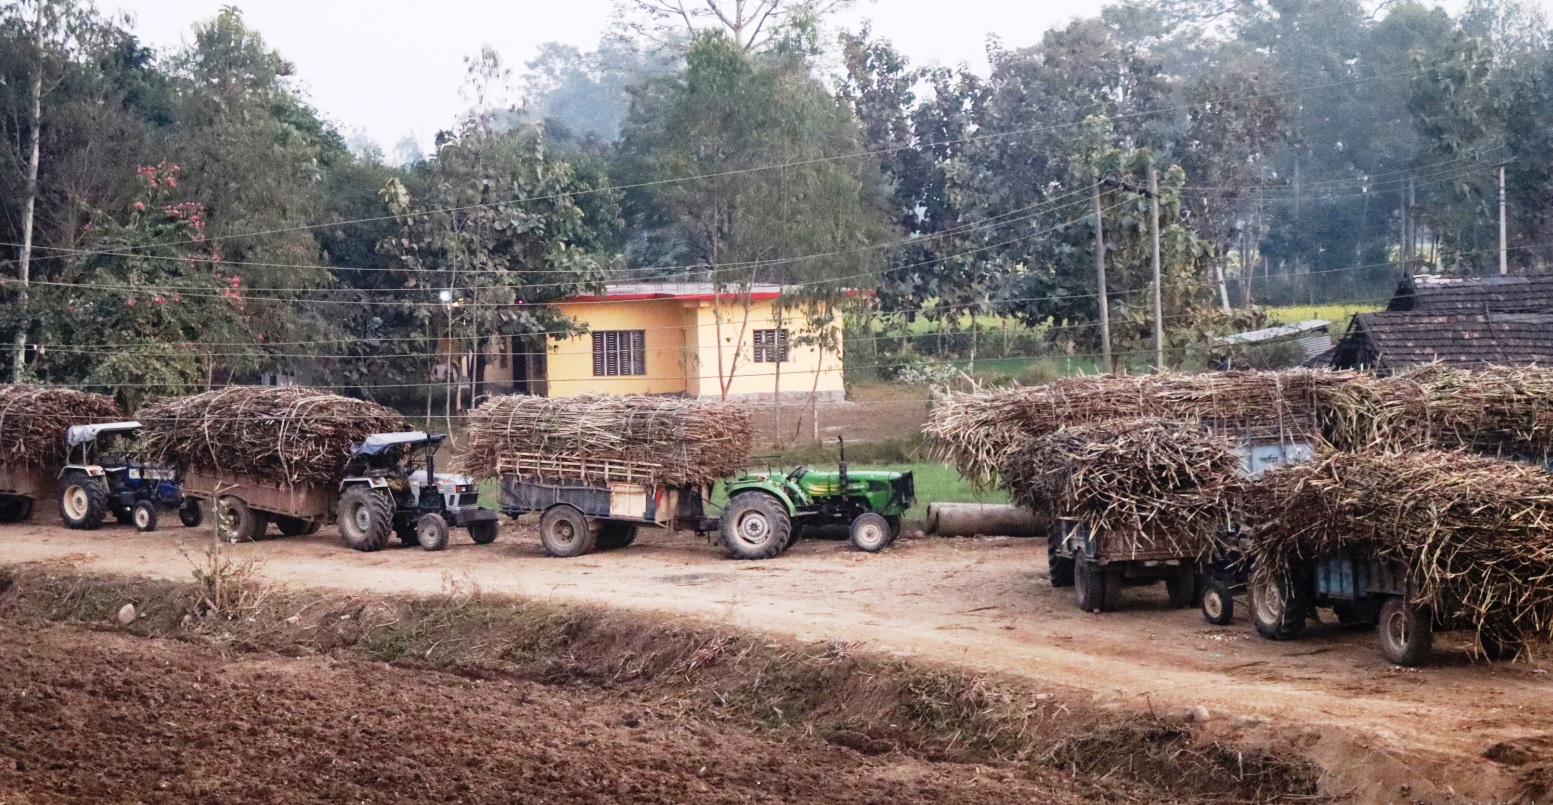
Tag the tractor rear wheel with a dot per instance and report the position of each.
(366, 518)
(191, 514)
(486, 531)
(614, 536)
(83, 503)
(1059, 569)
(871, 532)
(144, 516)
(1406, 632)
(566, 533)
(432, 531)
(1278, 606)
(240, 523)
(755, 526)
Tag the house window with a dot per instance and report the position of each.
(619, 352)
(771, 346)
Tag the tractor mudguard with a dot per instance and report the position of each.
(771, 488)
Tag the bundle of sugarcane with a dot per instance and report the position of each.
(285, 435)
(1170, 483)
(642, 439)
(974, 431)
(33, 421)
(1475, 534)
(1504, 410)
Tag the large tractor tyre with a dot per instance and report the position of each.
(366, 518)
(1182, 587)
(1218, 603)
(1095, 587)
(614, 536)
(83, 503)
(1406, 632)
(871, 533)
(297, 526)
(191, 513)
(241, 523)
(14, 509)
(144, 516)
(755, 526)
(433, 532)
(1278, 607)
(485, 532)
(1059, 569)
(565, 533)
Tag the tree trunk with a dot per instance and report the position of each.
(29, 205)
(974, 333)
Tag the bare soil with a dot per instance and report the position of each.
(1454, 731)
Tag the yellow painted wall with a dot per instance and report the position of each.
(683, 340)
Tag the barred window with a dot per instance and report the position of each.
(619, 352)
(771, 346)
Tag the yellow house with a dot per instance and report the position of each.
(681, 339)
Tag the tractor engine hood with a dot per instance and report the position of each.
(444, 479)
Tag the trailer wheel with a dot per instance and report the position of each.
(755, 526)
(1406, 632)
(14, 509)
(486, 531)
(1182, 587)
(246, 524)
(84, 502)
(566, 533)
(1277, 607)
(613, 536)
(144, 514)
(366, 518)
(871, 532)
(432, 531)
(1218, 603)
(191, 514)
(1093, 585)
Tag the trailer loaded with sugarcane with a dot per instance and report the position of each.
(597, 469)
(34, 421)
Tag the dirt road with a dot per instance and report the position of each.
(1383, 734)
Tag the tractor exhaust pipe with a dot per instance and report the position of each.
(841, 444)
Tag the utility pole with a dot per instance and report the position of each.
(1159, 304)
(24, 261)
(1105, 303)
(1504, 239)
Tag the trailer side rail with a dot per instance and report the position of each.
(301, 500)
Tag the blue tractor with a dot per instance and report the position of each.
(104, 475)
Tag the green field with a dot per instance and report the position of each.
(1339, 314)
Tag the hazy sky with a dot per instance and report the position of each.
(393, 67)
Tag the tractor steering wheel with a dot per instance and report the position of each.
(798, 472)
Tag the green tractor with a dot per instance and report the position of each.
(767, 511)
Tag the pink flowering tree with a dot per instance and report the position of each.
(147, 308)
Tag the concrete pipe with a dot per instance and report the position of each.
(984, 519)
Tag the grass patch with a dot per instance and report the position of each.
(872, 702)
(1338, 314)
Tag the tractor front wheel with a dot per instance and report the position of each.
(755, 526)
(1218, 603)
(144, 516)
(432, 531)
(84, 502)
(366, 518)
(871, 532)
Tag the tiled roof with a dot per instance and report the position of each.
(1394, 340)
(1428, 294)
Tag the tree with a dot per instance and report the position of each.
(749, 24)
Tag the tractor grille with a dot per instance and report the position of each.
(468, 499)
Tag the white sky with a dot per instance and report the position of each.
(394, 67)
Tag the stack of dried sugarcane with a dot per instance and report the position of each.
(1475, 534)
(1169, 483)
(285, 435)
(1505, 410)
(33, 421)
(642, 439)
(975, 431)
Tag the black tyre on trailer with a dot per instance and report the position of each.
(614, 536)
(565, 532)
(243, 523)
(755, 525)
(366, 518)
(1182, 587)
(298, 526)
(1406, 632)
(486, 532)
(83, 501)
(14, 508)
(1096, 586)
(191, 513)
